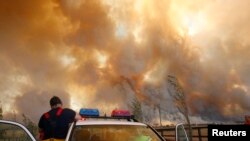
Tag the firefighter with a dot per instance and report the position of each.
(54, 124)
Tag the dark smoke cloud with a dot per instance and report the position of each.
(94, 27)
(35, 102)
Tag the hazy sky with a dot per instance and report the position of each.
(96, 53)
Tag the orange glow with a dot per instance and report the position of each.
(80, 96)
(102, 59)
(189, 21)
(106, 53)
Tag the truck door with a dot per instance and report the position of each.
(12, 131)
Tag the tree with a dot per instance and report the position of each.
(30, 125)
(180, 100)
(1, 117)
(137, 109)
(1, 111)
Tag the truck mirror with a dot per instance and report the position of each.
(180, 133)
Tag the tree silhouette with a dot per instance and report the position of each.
(1, 111)
(30, 125)
(137, 109)
(180, 100)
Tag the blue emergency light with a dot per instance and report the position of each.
(85, 112)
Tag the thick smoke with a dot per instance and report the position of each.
(96, 53)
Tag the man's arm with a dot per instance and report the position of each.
(41, 134)
(72, 115)
(77, 117)
(41, 131)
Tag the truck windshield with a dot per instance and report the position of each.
(114, 133)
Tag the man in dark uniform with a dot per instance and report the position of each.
(54, 124)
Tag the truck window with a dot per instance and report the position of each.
(113, 133)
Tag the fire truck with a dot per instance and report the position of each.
(120, 126)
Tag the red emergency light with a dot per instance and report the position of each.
(120, 113)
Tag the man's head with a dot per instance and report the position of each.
(55, 102)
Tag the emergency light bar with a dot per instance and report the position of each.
(116, 114)
(89, 112)
(120, 113)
